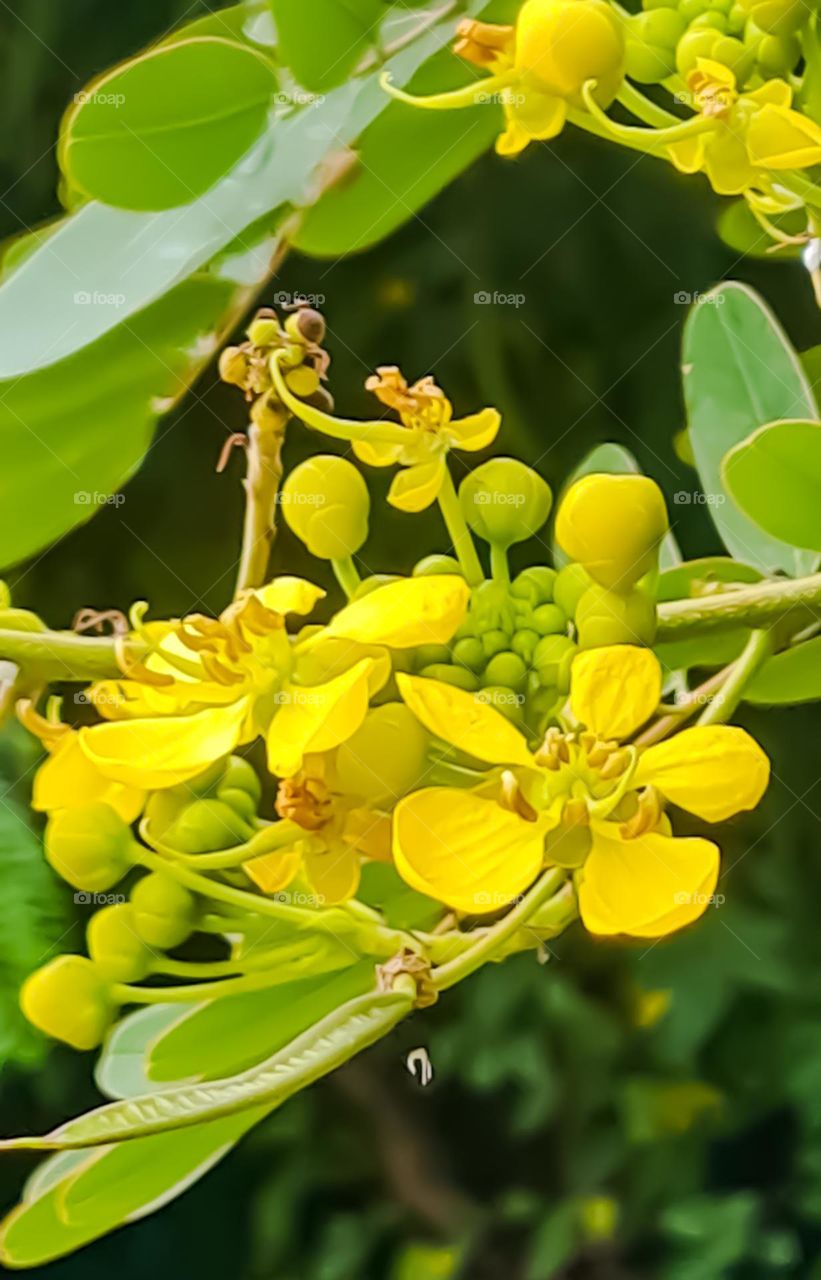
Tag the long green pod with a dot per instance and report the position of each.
(330, 1042)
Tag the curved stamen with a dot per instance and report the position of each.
(653, 138)
(471, 95)
(337, 428)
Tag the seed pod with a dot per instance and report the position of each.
(165, 913)
(90, 846)
(69, 1000)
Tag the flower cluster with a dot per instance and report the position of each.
(470, 730)
(751, 126)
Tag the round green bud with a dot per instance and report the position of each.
(469, 653)
(778, 55)
(458, 676)
(427, 654)
(540, 708)
(690, 9)
(435, 565)
(779, 17)
(494, 641)
(386, 756)
(263, 330)
(240, 787)
(504, 700)
(119, 954)
(504, 501)
(734, 54)
(571, 583)
(207, 826)
(552, 659)
(651, 44)
(712, 20)
(736, 20)
(506, 670)
(536, 584)
(325, 502)
(549, 619)
(69, 1000)
(613, 524)
(90, 847)
(524, 642)
(611, 617)
(695, 45)
(467, 627)
(165, 913)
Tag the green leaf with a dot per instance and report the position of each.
(322, 41)
(382, 887)
(121, 1066)
(78, 1196)
(739, 373)
(162, 129)
(326, 1045)
(738, 228)
(789, 677)
(774, 477)
(699, 577)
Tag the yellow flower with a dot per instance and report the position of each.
(582, 799)
(332, 834)
(421, 444)
(67, 779)
(752, 132)
(538, 69)
(214, 683)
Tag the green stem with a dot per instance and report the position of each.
(641, 107)
(653, 139)
(283, 966)
(458, 531)
(754, 605)
(547, 886)
(262, 481)
(347, 575)
(64, 655)
(757, 650)
(499, 567)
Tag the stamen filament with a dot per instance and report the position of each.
(470, 95)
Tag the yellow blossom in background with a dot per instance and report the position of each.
(582, 799)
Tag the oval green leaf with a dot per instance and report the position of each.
(161, 130)
(774, 477)
(789, 677)
(323, 42)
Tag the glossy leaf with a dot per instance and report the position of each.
(739, 373)
(791, 676)
(695, 577)
(774, 477)
(322, 42)
(160, 130)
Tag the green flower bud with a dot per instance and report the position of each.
(778, 55)
(458, 676)
(240, 787)
(69, 1000)
(549, 619)
(552, 659)
(165, 913)
(427, 654)
(506, 670)
(90, 847)
(571, 583)
(696, 44)
(613, 524)
(164, 807)
(610, 617)
(712, 20)
(469, 653)
(233, 366)
(651, 44)
(386, 756)
(778, 17)
(207, 826)
(494, 641)
(524, 642)
(504, 501)
(436, 564)
(690, 9)
(119, 954)
(504, 700)
(536, 584)
(325, 502)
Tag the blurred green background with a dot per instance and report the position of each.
(623, 1111)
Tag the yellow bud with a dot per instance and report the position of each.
(69, 1000)
(119, 954)
(613, 525)
(90, 846)
(561, 44)
(303, 381)
(165, 913)
(325, 502)
(233, 366)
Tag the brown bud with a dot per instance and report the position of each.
(311, 324)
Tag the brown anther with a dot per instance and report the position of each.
(587, 741)
(306, 801)
(95, 620)
(575, 814)
(236, 439)
(417, 967)
(218, 672)
(513, 800)
(647, 815)
(483, 43)
(424, 400)
(598, 756)
(615, 764)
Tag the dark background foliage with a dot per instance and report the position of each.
(561, 1136)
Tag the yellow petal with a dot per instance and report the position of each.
(333, 873)
(717, 72)
(688, 155)
(273, 871)
(513, 140)
(613, 690)
(369, 833)
(331, 656)
(779, 138)
(376, 453)
(464, 851)
(68, 779)
(540, 115)
(289, 595)
(317, 717)
(424, 610)
(163, 752)
(645, 887)
(464, 720)
(475, 432)
(712, 771)
(415, 488)
(777, 92)
(727, 162)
